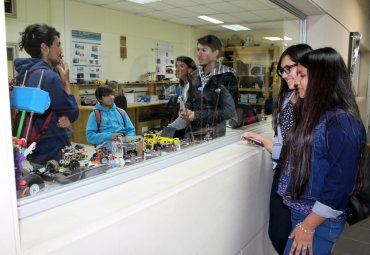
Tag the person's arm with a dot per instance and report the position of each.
(267, 143)
(63, 104)
(303, 234)
(92, 134)
(231, 84)
(63, 69)
(342, 142)
(129, 127)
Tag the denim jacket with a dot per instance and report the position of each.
(338, 139)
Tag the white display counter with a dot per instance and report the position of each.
(216, 203)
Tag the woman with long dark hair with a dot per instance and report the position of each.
(283, 119)
(324, 154)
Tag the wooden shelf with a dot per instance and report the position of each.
(246, 59)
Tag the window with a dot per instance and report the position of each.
(94, 57)
(9, 7)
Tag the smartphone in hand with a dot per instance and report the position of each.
(255, 141)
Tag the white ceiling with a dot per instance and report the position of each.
(254, 14)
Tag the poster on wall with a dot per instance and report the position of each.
(86, 49)
(165, 61)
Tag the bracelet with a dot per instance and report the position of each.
(311, 232)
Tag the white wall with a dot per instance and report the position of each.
(323, 31)
(352, 14)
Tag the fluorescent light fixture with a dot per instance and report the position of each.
(274, 38)
(143, 1)
(286, 38)
(235, 27)
(209, 19)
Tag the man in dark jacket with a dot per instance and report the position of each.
(213, 93)
(43, 44)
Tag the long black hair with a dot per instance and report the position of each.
(294, 52)
(329, 87)
(34, 35)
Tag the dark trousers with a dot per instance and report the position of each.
(280, 221)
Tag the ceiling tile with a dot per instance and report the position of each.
(225, 7)
(177, 3)
(268, 3)
(201, 10)
(226, 18)
(180, 12)
(266, 25)
(269, 14)
(161, 15)
(247, 17)
(207, 2)
(98, 2)
(250, 5)
(159, 6)
(129, 7)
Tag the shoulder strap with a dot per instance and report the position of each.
(98, 118)
(44, 126)
(29, 73)
(122, 115)
(48, 118)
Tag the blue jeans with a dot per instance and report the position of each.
(325, 235)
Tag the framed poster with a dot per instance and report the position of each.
(165, 61)
(86, 50)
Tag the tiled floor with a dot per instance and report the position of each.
(355, 240)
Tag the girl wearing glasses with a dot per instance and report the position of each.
(324, 153)
(282, 120)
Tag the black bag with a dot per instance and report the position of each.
(358, 207)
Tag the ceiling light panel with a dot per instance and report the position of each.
(235, 27)
(143, 1)
(274, 38)
(210, 19)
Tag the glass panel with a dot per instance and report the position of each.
(137, 60)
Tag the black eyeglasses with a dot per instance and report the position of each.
(285, 69)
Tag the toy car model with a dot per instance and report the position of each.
(154, 141)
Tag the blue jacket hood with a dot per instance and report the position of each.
(22, 65)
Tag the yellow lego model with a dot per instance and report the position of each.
(152, 140)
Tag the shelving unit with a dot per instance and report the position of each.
(252, 70)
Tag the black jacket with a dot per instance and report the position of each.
(214, 103)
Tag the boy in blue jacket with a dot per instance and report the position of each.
(113, 123)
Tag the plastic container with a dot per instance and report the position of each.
(30, 99)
